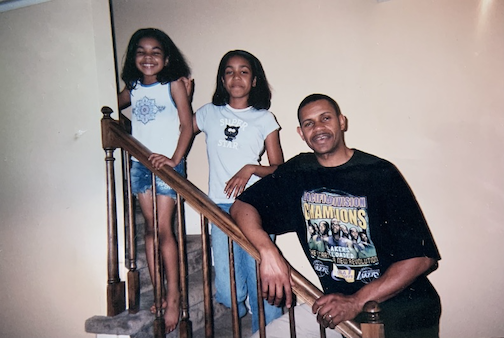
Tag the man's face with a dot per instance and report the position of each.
(321, 128)
(311, 230)
(323, 227)
(344, 229)
(335, 226)
(354, 233)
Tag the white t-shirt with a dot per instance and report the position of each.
(154, 118)
(234, 137)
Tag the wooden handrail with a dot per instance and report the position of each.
(115, 136)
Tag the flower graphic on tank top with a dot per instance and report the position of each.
(145, 110)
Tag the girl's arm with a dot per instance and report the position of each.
(124, 98)
(236, 185)
(179, 94)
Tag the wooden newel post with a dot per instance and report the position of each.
(372, 327)
(116, 298)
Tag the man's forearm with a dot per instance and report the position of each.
(249, 222)
(334, 308)
(274, 270)
(397, 277)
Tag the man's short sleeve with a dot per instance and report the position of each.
(273, 199)
(409, 234)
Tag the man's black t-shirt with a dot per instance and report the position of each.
(353, 221)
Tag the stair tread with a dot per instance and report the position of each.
(122, 324)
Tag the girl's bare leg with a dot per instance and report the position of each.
(145, 201)
(166, 208)
(169, 252)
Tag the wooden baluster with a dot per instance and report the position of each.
(207, 292)
(322, 332)
(116, 298)
(292, 321)
(234, 300)
(159, 324)
(133, 274)
(185, 326)
(260, 304)
(372, 327)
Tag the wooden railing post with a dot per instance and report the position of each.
(372, 327)
(292, 321)
(116, 298)
(185, 326)
(159, 323)
(232, 284)
(207, 293)
(133, 273)
(260, 304)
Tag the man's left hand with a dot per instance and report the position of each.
(334, 308)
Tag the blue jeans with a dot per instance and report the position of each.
(246, 279)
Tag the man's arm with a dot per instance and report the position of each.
(335, 308)
(274, 269)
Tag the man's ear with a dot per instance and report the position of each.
(343, 122)
(300, 133)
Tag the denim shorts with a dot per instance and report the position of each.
(141, 180)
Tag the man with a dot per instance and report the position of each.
(359, 190)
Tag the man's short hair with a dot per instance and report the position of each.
(316, 97)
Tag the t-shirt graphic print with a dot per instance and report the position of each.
(338, 236)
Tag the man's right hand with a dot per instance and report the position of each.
(276, 281)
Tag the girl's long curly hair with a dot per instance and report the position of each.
(177, 66)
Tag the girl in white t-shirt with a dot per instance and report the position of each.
(238, 129)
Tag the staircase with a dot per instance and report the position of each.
(140, 325)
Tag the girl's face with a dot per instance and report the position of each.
(238, 78)
(150, 59)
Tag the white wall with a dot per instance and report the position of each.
(56, 71)
(422, 84)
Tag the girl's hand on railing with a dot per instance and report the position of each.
(238, 182)
(158, 161)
